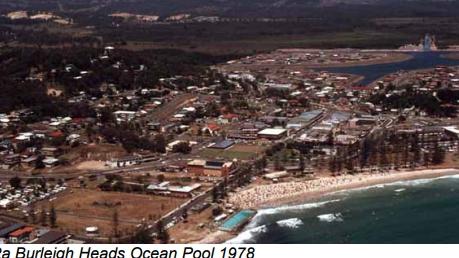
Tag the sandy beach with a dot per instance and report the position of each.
(263, 196)
(290, 193)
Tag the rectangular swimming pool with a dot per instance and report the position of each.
(237, 220)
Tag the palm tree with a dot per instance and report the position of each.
(52, 217)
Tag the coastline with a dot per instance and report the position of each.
(289, 193)
(393, 57)
(325, 186)
(396, 57)
(374, 83)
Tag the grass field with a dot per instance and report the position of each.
(83, 208)
(238, 151)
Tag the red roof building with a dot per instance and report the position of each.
(22, 235)
(56, 134)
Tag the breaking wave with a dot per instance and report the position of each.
(305, 206)
(247, 237)
(257, 220)
(332, 217)
(413, 182)
(290, 223)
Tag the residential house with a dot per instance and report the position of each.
(11, 161)
(22, 235)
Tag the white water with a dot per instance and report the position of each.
(414, 182)
(332, 217)
(290, 223)
(248, 235)
(300, 207)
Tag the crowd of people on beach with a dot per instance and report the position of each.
(268, 193)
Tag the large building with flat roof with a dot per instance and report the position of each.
(213, 169)
(273, 133)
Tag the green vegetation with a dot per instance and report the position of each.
(228, 154)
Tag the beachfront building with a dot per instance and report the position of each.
(166, 189)
(211, 169)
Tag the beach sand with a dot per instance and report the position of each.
(291, 193)
(263, 196)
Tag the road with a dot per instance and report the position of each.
(163, 113)
(146, 167)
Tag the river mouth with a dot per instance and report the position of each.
(420, 60)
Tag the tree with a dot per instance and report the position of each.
(215, 194)
(263, 162)
(223, 188)
(332, 165)
(365, 152)
(39, 164)
(52, 217)
(115, 221)
(183, 147)
(301, 164)
(33, 217)
(89, 132)
(416, 150)
(426, 158)
(216, 211)
(277, 163)
(43, 217)
(160, 178)
(160, 143)
(405, 154)
(349, 165)
(15, 182)
(185, 215)
(142, 235)
(438, 155)
(383, 160)
(163, 235)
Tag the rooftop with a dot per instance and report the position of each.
(272, 131)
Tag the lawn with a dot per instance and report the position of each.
(238, 151)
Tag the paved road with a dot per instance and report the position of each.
(7, 174)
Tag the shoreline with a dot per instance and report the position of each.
(375, 82)
(284, 194)
(396, 58)
(368, 180)
(341, 183)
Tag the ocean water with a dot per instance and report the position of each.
(418, 211)
(420, 60)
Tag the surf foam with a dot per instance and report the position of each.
(247, 236)
(305, 206)
(256, 221)
(290, 223)
(332, 217)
